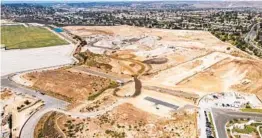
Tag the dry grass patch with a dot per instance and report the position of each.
(47, 127)
(128, 121)
(70, 86)
(99, 104)
(6, 94)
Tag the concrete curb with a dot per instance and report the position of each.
(214, 122)
(259, 131)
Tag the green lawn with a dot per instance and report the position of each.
(212, 125)
(21, 37)
(251, 110)
(247, 130)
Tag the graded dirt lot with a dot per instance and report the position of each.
(27, 59)
(170, 78)
(29, 37)
(228, 75)
(169, 71)
(127, 121)
(181, 60)
(183, 38)
(67, 85)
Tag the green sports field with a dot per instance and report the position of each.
(21, 37)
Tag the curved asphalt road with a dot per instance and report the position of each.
(28, 130)
(221, 117)
(50, 103)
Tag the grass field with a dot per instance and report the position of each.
(20, 37)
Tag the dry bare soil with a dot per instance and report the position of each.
(193, 61)
(229, 74)
(127, 121)
(173, 61)
(6, 94)
(70, 86)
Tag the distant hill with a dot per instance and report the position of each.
(228, 4)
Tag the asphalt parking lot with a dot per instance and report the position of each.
(159, 102)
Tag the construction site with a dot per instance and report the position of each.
(146, 80)
(16, 108)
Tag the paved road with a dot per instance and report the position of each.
(49, 101)
(29, 127)
(252, 33)
(259, 131)
(91, 114)
(251, 36)
(172, 92)
(101, 74)
(221, 117)
(160, 102)
(27, 130)
(51, 104)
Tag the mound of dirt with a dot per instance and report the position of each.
(252, 82)
(253, 69)
(94, 60)
(229, 75)
(5, 94)
(127, 113)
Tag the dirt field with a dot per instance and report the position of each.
(171, 77)
(188, 55)
(126, 121)
(70, 86)
(228, 75)
(6, 94)
(174, 68)
(183, 38)
(99, 104)
(122, 64)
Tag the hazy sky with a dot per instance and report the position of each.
(92, 0)
(37, 1)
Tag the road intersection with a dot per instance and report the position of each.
(212, 111)
(51, 104)
(221, 117)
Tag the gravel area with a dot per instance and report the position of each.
(21, 60)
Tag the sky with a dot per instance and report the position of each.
(19, 1)
(64, 1)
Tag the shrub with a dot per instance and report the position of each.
(27, 102)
